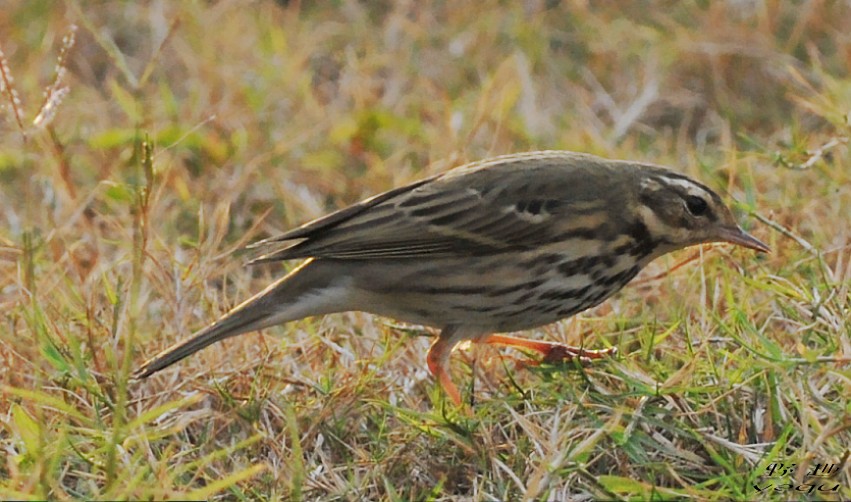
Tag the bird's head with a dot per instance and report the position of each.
(680, 212)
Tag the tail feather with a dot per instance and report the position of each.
(306, 291)
(233, 324)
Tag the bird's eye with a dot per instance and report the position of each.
(696, 205)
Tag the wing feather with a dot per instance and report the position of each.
(505, 203)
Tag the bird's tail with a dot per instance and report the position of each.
(308, 290)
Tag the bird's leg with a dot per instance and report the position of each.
(552, 352)
(438, 361)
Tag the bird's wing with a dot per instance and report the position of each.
(468, 211)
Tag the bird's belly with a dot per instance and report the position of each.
(495, 293)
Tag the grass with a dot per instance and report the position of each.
(191, 129)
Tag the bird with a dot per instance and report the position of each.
(501, 245)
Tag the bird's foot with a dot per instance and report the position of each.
(553, 353)
(559, 353)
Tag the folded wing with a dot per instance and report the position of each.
(474, 211)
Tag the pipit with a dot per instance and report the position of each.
(500, 245)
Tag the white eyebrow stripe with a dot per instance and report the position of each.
(690, 187)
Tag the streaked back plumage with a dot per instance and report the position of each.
(508, 203)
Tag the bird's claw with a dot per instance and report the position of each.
(564, 353)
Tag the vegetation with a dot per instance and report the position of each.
(172, 134)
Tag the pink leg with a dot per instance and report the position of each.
(438, 360)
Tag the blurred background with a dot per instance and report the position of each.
(142, 144)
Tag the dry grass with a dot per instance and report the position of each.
(192, 128)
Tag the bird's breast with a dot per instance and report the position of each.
(494, 293)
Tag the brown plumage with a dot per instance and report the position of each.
(504, 244)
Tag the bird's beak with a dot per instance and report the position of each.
(735, 235)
